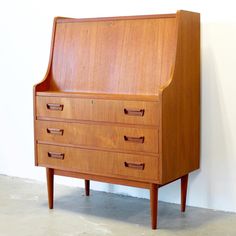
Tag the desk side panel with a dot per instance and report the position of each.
(181, 103)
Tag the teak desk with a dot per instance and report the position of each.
(120, 102)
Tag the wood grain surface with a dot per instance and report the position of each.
(99, 162)
(96, 135)
(99, 110)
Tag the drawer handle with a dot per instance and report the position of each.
(139, 166)
(56, 155)
(134, 139)
(134, 112)
(55, 107)
(55, 131)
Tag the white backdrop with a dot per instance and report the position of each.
(25, 34)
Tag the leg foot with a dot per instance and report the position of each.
(154, 204)
(87, 187)
(184, 186)
(50, 177)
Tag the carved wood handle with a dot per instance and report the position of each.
(56, 155)
(55, 106)
(134, 139)
(55, 131)
(139, 166)
(131, 112)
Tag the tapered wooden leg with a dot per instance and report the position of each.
(184, 187)
(87, 188)
(50, 182)
(154, 204)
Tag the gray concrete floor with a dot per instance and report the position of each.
(24, 211)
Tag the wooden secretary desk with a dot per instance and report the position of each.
(120, 102)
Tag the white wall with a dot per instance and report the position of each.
(25, 33)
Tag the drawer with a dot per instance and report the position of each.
(118, 111)
(98, 162)
(100, 136)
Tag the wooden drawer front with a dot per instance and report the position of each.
(101, 136)
(130, 112)
(98, 162)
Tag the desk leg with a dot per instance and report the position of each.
(154, 204)
(184, 187)
(50, 181)
(87, 187)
